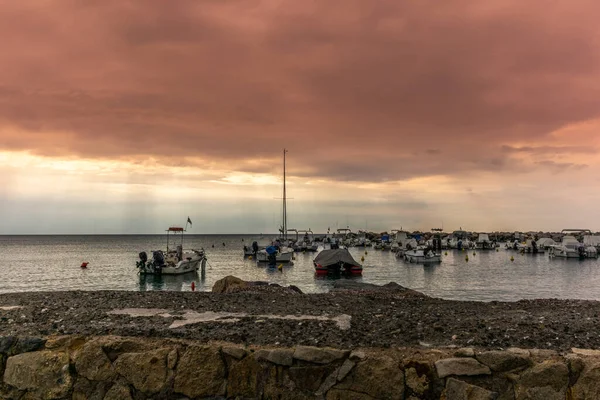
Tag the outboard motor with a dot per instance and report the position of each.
(534, 248)
(459, 245)
(581, 251)
(254, 247)
(143, 257)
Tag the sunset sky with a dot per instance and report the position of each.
(121, 116)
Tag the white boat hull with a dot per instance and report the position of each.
(285, 256)
(419, 257)
(182, 267)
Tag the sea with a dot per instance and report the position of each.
(52, 263)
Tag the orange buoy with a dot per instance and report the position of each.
(84, 265)
(193, 286)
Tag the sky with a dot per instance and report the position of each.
(129, 116)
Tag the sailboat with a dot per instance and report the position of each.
(279, 252)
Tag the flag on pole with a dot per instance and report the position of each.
(189, 221)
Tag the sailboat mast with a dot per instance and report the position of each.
(284, 200)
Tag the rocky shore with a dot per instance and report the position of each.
(350, 316)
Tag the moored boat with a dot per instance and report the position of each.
(273, 254)
(336, 262)
(422, 256)
(173, 261)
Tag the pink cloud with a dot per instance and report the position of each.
(350, 86)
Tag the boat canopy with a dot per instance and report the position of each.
(331, 257)
(483, 237)
(271, 250)
(546, 242)
(591, 240)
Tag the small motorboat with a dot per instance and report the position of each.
(174, 261)
(422, 256)
(336, 262)
(274, 254)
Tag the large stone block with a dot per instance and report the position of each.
(146, 371)
(545, 381)
(276, 356)
(44, 373)
(319, 355)
(502, 361)
(243, 378)
(460, 366)
(200, 372)
(587, 386)
(378, 377)
(459, 390)
(92, 363)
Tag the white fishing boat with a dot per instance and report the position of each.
(459, 240)
(175, 261)
(281, 255)
(422, 256)
(570, 247)
(483, 242)
(307, 243)
(256, 246)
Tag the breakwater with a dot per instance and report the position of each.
(112, 367)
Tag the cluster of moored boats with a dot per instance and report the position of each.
(334, 257)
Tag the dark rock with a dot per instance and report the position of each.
(6, 343)
(295, 289)
(502, 361)
(459, 390)
(27, 344)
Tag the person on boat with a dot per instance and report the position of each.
(179, 253)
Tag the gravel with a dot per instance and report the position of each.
(380, 317)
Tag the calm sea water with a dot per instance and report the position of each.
(52, 263)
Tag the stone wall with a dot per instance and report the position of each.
(119, 368)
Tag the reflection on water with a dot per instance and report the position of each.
(172, 282)
(51, 263)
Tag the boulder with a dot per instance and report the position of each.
(6, 343)
(418, 384)
(242, 378)
(586, 352)
(276, 356)
(43, 373)
(236, 352)
(379, 377)
(460, 366)
(92, 363)
(464, 352)
(200, 372)
(146, 371)
(118, 392)
(459, 390)
(84, 389)
(345, 369)
(545, 381)
(310, 378)
(229, 284)
(26, 344)
(502, 361)
(587, 386)
(319, 355)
